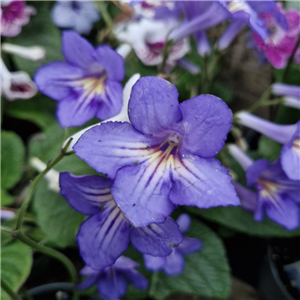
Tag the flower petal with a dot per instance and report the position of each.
(112, 285)
(175, 263)
(136, 278)
(85, 194)
(111, 61)
(285, 213)
(201, 182)
(154, 263)
(103, 237)
(79, 52)
(110, 146)
(124, 263)
(206, 122)
(142, 191)
(153, 106)
(255, 170)
(156, 239)
(247, 197)
(112, 100)
(73, 112)
(51, 79)
(189, 245)
(184, 222)
(88, 282)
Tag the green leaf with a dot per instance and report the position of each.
(12, 158)
(222, 91)
(39, 110)
(16, 261)
(206, 272)
(39, 31)
(49, 145)
(240, 220)
(268, 148)
(6, 198)
(57, 219)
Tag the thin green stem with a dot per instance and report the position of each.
(35, 182)
(290, 61)
(261, 100)
(105, 15)
(48, 251)
(166, 50)
(204, 72)
(9, 291)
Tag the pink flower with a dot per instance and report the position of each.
(280, 43)
(14, 15)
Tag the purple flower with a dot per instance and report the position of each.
(86, 84)
(76, 15)
(291, 94)
(289, 135)
(173, 264)
(246, 13)
(14, 15)
(199, 15)
(165, 157)
(281, 41)
(104, 236)
(112, 281)
(276, 194)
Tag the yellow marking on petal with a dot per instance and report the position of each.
(92, 85)
(235, 6)
(296, 145)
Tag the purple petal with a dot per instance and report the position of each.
(189, 245)
(88, 282)
(124, 263)
(154, 263)
(78, 52)
(112, 145)
(214, 14)
(286, 213)
(85, 194)
(184, 222)
(73, 112)
(87, 271)
(112, 285)
(248, 198)
(51, 79)
(156, 239)
(206, 121)
(203, 45)
(103, 237)
(175, 263)
(136, 278)
(281, 89)
(290, 156)
(153, 106)
(142, 191)
(112, 62)
(202, 182)
(112, 100)
(255, 170)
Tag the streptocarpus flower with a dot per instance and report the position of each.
(34, 53)
(76, 15)
(112, 282)
(246, 13)
(165, 157)
(173, 264)
(291, 94)
(16, 85)
(14, 15)
(148, 39)
(288, 135)
(86, 84)
(156, 9)
(277, 195)
(104, 236)
(281, 42)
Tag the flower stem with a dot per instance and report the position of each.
(105, 15)
(260, 101)
(35, 182)
(9, 291)
(166, 50)
(48, 251)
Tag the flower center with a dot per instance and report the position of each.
(12, 11)
(235, 6)
(269, 189)
(171, 144)
(296, 145)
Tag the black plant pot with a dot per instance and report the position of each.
(274, 281)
